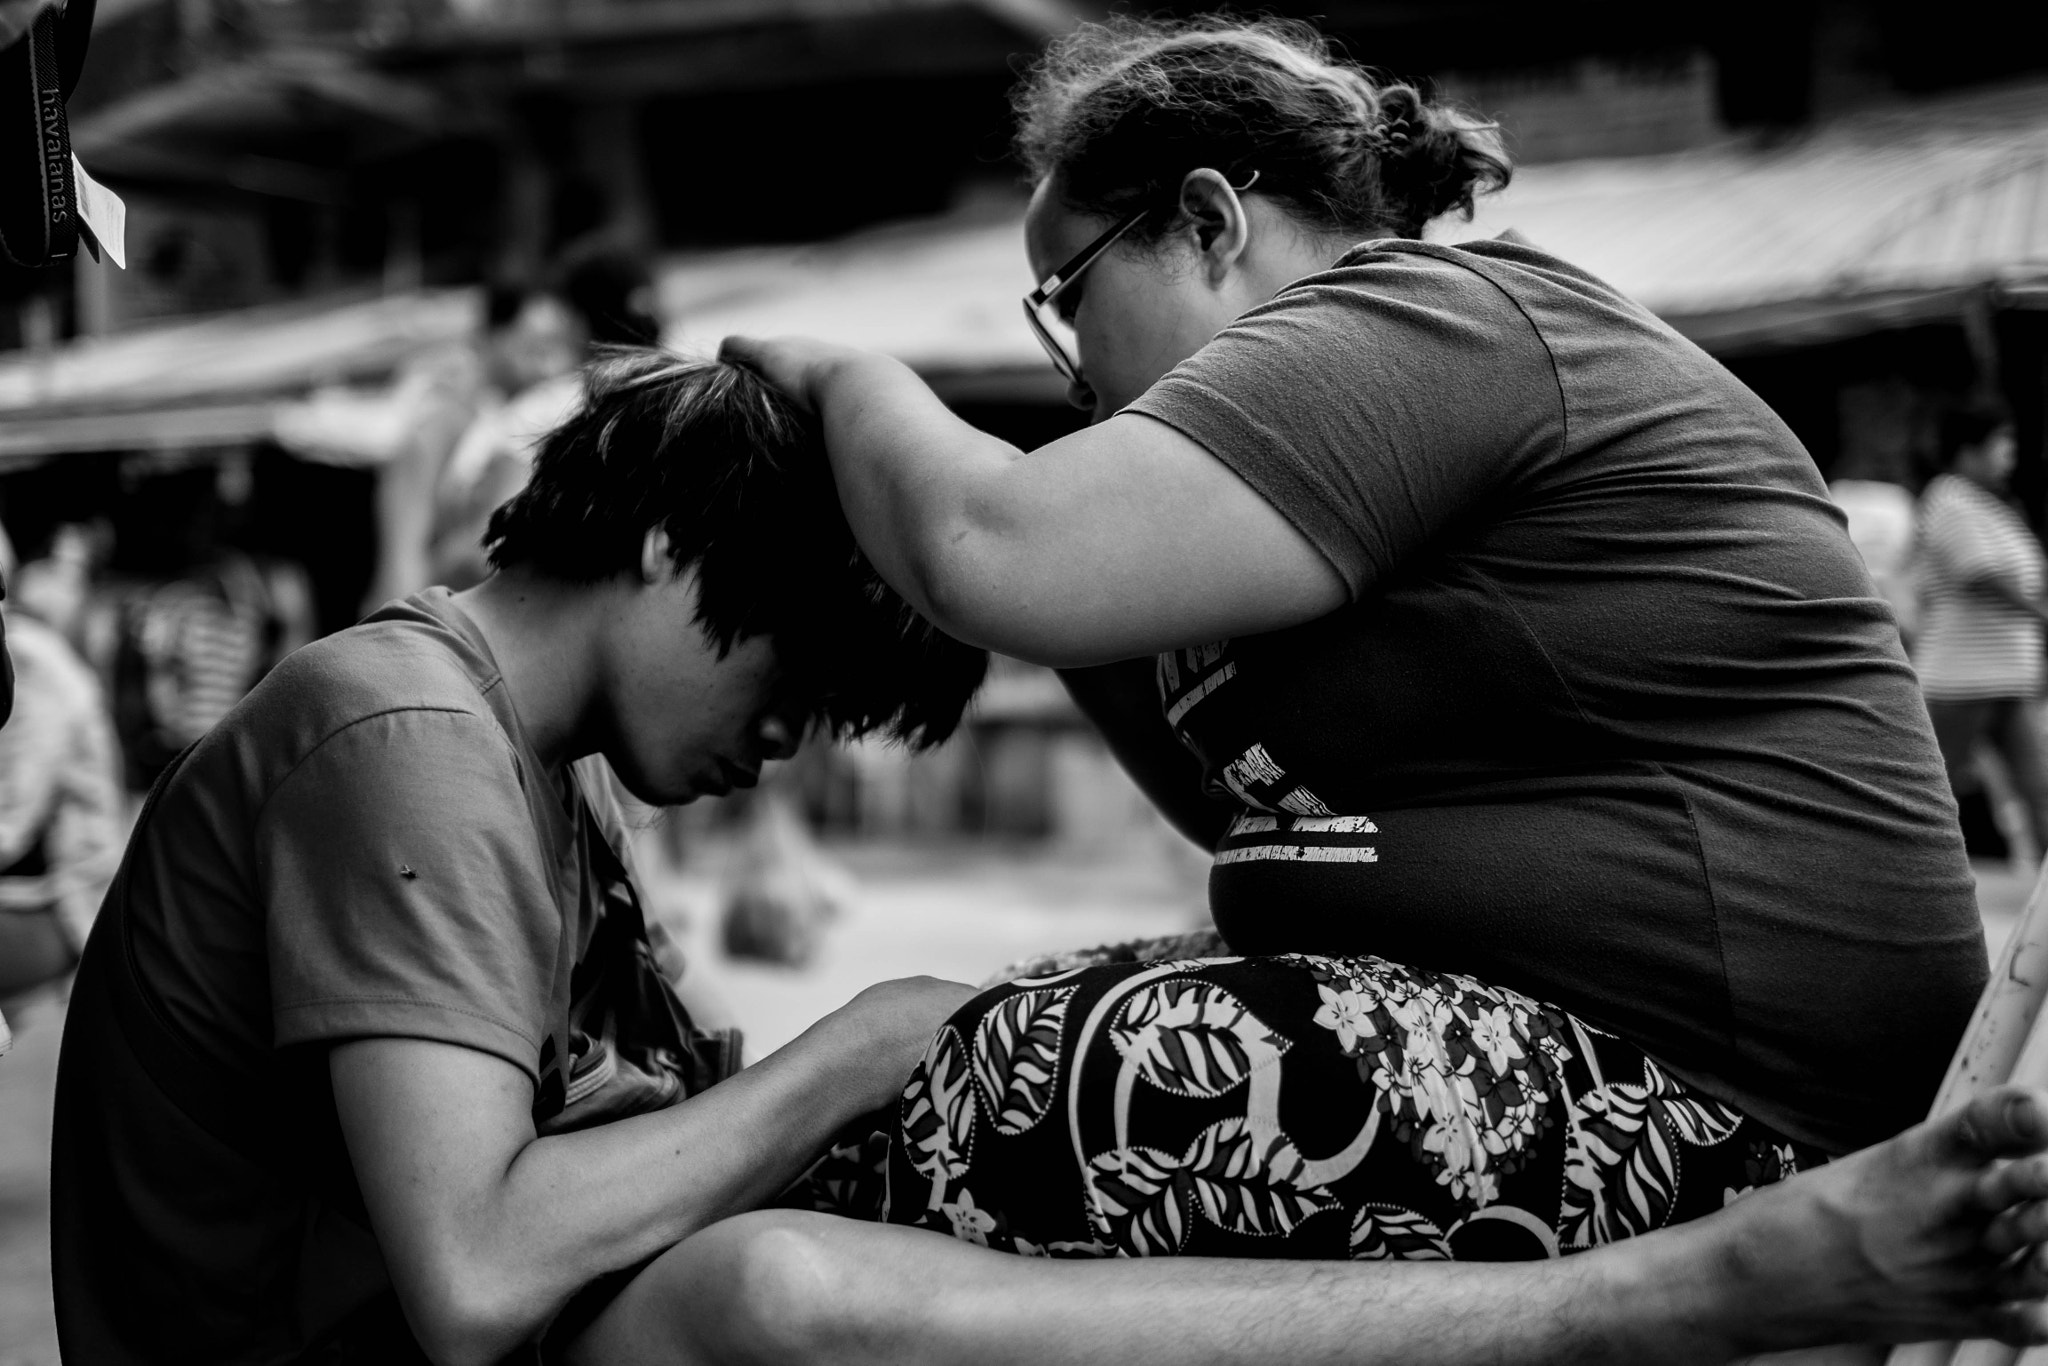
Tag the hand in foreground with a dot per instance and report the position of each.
(792, 364)
(1939, 1233)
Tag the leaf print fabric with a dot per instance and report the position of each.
(1017, 1057)
(1193, 1039)
(1292, 1106)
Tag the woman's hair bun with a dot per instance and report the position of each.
(1436, 157)
(1120, 111)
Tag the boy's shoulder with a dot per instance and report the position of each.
(407, 657)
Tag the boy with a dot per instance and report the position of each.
(371, 999)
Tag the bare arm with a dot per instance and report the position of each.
(488, 1228)
(1121, 540)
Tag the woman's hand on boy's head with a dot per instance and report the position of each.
(795, 365)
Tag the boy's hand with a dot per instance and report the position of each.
(888, 1027)
(795, 365)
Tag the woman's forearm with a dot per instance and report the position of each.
(914, 479)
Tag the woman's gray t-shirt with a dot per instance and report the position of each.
(1615, 716)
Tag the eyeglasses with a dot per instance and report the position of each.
(1053, 331)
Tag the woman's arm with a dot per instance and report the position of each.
(1121, 540)
(488, 1228)
(1123, 701)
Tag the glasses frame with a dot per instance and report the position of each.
(1049, 289)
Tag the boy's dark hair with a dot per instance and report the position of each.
(737, 476)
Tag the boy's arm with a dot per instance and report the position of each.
(489, 1229)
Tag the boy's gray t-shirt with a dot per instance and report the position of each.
(366, 847)
(1615, 716)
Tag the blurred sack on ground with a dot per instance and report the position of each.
(783, 889)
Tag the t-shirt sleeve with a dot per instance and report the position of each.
(407, 892)
(1373, 405)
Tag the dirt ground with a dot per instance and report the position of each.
(957, 913)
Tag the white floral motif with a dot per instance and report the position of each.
(1463, 1071)
(1493, 1034)
(970, 1224)
(1345, 1013)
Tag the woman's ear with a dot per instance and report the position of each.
(1217, 220)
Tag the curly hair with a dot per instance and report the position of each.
(1117, 113)
(737, 477)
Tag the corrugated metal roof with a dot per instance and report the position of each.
(207, 381)
(941, 295)
(1887, 218)
(1930, 196)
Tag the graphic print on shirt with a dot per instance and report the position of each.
(1298, 839)
(1187, 677)
(1286, 821)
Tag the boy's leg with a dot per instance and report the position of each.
(1930, 1235)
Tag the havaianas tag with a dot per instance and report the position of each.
(101, 215)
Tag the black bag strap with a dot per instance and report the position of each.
(38, 200)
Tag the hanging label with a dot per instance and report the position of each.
(102, 214)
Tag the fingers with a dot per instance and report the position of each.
(2013, 1183)
(2008, 1121)
(2022, 1225)
(2024, 1277)
(2023, 1323)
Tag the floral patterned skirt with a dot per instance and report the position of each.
(1290, 1106)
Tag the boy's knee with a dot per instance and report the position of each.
(787, 1295)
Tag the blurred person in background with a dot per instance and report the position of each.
(211, 619)
(454, 433)
(600, 297)
(1979, 648)
(62, 809)
(1883, 526)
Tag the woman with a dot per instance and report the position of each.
(1979, 651)
(1477, 620)
(1482, 625)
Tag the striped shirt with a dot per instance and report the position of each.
(1972, 644)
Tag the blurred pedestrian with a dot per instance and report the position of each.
(61, 805)
(1883, 521)
(210, 621)
(1979, 650)
(435, 503)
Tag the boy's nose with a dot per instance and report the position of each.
(779, 738)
